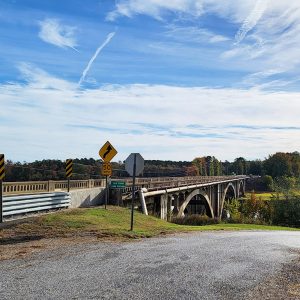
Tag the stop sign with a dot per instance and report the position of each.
(139, 162)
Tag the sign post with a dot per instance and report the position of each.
(107, 152)
(2, 175)
(134, 165)
(69, 171)
(106, 171)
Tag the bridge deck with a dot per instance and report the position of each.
(160, 184)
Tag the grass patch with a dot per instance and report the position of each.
(113, 222)
(266, 196)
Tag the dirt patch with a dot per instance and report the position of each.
(284, 286)
(27, 248)
(19, 239)
(24, 246)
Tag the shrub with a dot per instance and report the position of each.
(286, 212)
(256, 209)
(268, 182)
(233, 207)
(195, 220)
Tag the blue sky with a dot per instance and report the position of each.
(169, 79)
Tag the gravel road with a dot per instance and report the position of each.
(203, 265)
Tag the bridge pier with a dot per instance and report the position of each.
(164, 206)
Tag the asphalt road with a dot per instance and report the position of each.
(212, 265)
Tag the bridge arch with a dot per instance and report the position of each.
(229, 188)
(190, 197)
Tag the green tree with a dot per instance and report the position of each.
(240, 166)
(268, 182)
(286, 185)
(255, 167)
(278, 165)
(217, 167)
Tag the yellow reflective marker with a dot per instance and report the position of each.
(106, 169)
(2, 167)
(69, 167)
(107, 152)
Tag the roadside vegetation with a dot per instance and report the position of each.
(278, 208)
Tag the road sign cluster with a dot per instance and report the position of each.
(134, 165)
(107, 153)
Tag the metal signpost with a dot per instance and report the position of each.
(107, 152)
(2, 175)
(134, 165)
(106, 171)
(69, 171)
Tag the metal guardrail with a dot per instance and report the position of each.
(17, 205)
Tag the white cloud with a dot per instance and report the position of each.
(155, 8)
(55, 33)
(49, 117)
(193, 34)
(236, 10)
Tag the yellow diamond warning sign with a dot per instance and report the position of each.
(107, 152)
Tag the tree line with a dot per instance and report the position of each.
(86, 168)
(276, 165)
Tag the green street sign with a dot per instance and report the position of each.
(118, 184)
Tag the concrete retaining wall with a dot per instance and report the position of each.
(87, 197)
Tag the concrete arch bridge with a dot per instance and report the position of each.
(164, 197)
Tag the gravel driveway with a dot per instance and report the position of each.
(203, 265)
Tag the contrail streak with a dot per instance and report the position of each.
(84, 73)
(251, 20)
(74, 49)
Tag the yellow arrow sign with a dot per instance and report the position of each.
(107, 152)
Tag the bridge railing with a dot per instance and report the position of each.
(34, 187)
(169, 182)
(152, 183)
